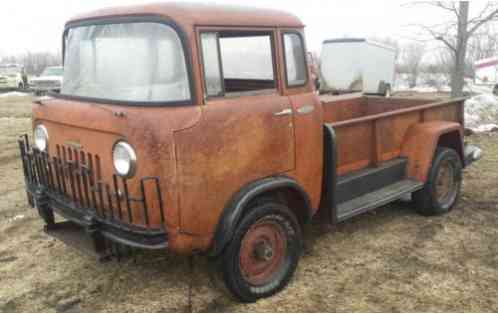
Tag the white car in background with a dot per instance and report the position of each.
(11, 76)
(49, 80)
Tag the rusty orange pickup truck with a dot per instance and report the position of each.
(197, 129)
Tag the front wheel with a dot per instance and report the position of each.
(263, 254)
(442, 189)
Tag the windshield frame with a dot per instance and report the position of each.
(148, 18)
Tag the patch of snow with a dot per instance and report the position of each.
(481, 113)
(478, 88)
(16, 217)
(424, 89)
(486, 128)
(14, 94)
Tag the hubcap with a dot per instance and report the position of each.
(262, 252)
(445, 182)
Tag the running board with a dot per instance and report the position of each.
(376, 199)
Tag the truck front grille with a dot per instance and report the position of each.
(75, 177)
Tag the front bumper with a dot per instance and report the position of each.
(44, 88)
(471, 154)
(71, 189)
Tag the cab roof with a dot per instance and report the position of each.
(201, 14)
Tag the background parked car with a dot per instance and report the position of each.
(49, 80)
(12, 76)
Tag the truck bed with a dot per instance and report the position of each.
(369, 130)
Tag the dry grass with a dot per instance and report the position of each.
(388, 260)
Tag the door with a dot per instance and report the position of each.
(246, 131)
(307, 109)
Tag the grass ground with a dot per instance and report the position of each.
(388, 260)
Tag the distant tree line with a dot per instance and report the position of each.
(34, 62)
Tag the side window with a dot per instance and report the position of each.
(238, 63)
(212, 65)
(295, 63)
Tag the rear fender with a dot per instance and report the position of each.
(421, 141)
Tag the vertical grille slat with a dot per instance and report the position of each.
(92, 181)
(118, 198)
(84, 177)
(61, 170)
(109, 200)
(70, 164)
(99, 186)
(49, 170)
(128, 205)
(144, 201)
(77, 176)
(57, 174)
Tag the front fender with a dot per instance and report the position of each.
(234, 211)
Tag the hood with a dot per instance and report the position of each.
(94, 128)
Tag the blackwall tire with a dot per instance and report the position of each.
(263, 254)
(442, 189)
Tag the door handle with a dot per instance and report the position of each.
(284, 112)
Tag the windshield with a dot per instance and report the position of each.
(139, 62)
(53, 71)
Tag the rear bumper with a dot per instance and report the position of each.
(93, 205)
(471, 154)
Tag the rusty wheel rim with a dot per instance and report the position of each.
(445, 182)
(263, 251)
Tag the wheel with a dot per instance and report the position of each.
(20, 86)
(442, 189)
(263, 254)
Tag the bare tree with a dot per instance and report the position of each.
(411, 58)
(455, 35)
(484, 44)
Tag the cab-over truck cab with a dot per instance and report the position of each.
(197, 129)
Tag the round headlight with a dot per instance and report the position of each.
(40, 135)
(124, 159)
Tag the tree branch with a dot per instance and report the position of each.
(493, 14)
(440, 37)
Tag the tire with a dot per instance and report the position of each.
(263, 254)
(442, 189)
(20, 86)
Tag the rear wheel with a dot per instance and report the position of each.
(263, 254)
(442, 189)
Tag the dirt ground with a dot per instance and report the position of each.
(388, 260)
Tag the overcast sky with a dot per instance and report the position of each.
(36, 25)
